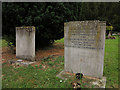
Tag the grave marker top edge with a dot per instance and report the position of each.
(102, 23)
(25, 27)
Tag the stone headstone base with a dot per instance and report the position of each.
(91, 81)
(20, 62)
(26, 58)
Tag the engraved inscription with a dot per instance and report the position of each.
(87, 36)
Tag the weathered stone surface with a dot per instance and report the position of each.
(63, 75)
(23, 63)
(92, 82)
(84, 43)
(25, 42)
(99, 83)
(19, 60)
(12, 61)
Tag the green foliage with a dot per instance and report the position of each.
(3, 43)
(109, 27)
(46, 59)
(11, 47)
(50, 63)
(49, 18)
(40, 66)
(60, 41)
(36, 66)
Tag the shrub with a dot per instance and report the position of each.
(48, 19)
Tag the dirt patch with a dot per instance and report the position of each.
(7, 55)
(110, 37)
(55, 50)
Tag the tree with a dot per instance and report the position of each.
(49, 18)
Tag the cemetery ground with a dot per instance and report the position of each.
(50, 62)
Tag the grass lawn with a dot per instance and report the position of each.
(111, 62)
(37, 77)
(34, 77)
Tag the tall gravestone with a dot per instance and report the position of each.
(84, 47)
(25, 42)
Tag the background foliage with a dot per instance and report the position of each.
(49, 18)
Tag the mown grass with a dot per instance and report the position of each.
(37, 77)
(111, 62)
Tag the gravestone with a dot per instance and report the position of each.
(25, 42)
(84, 43)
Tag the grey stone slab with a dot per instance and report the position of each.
(25, 42)
(99, 83)
(23, 63)
(91, 81)
(11, 61)
(63, 75)
(84, 43)
(19, 60)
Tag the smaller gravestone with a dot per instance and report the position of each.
(25, 42)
